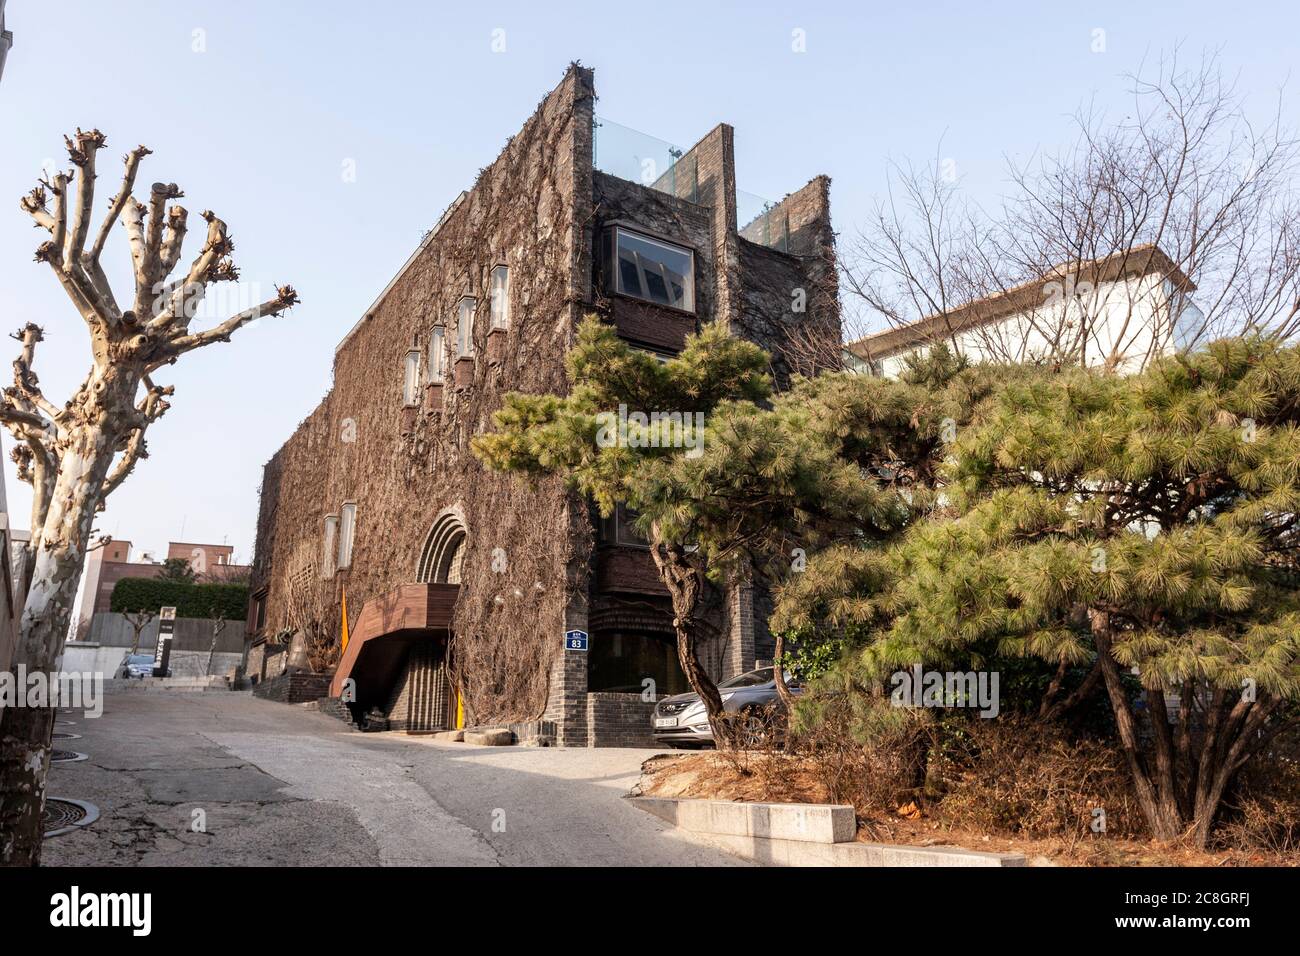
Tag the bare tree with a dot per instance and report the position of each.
(218, 625)
(75, 455)
(138, 620)
(1094, 253)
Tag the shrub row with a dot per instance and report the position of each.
(190, 600)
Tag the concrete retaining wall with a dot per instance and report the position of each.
(89, 657)
(802, 822)
(191, 633)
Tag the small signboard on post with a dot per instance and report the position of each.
(163, 652)
(575, 640)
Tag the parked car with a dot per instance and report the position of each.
(139, 666)
(680, 720)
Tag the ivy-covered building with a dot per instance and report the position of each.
(461, 584)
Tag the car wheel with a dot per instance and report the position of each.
(753, 728)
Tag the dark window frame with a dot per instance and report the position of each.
(613, 282)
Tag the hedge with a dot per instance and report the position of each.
(190, 600)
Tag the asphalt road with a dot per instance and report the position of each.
(212, 779)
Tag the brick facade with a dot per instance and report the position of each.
(293, 688)
(541, 210)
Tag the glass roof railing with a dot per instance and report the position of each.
(630, 154)
(658, 164)
(762, 221)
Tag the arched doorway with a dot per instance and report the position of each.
(444, 550)
(425, 698)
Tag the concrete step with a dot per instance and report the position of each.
(799, 834)
(805, 822)
(182, 684)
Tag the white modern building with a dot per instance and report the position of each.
(1121, 312)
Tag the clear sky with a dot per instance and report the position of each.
(255, 108)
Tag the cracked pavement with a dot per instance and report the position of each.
(280, 785)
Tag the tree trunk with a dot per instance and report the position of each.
(25, 738)
(684, 582)
(1161, 815)
(1182, 800)
(1223, 755)
(25, 732)
(778, 672)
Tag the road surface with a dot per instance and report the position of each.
(217, 778)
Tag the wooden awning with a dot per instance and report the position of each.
(386, 627)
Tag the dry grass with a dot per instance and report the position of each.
(1264, 812)
(997, 789)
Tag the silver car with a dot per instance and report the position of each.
(680, 720)
(138, 666)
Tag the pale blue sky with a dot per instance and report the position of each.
(258, 128)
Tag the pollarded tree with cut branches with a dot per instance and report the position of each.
(76, 454)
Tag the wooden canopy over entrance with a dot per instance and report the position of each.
(386, 628)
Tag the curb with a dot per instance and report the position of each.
(807, 834)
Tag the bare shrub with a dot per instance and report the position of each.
(1264, 812)
(1024, 779)
(878, 775)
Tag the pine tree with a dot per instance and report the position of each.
(1146, 524)
(754, 484)
(601, 438)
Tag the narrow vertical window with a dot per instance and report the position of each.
(437, 355)
(500, 298)
(347, 531)
(330, 546)
(465, 326)
(411, 379)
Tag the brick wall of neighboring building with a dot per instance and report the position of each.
(202, 557)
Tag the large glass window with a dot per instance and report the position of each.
(622, 662)
(500, 302)
(465, 326)
(652, 270)
(437, 355)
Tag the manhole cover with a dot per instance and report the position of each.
(63, 815)
(64, 735)
(66, 756)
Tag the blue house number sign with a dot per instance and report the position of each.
(575, 640)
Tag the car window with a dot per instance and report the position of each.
(751, 679)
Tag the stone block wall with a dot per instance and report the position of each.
(295, 687)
